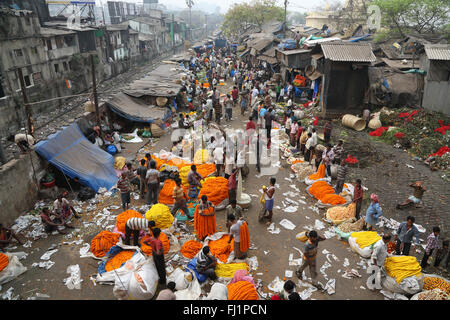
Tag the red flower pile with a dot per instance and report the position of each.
(316, 121)
(407, 115)
(443, 128)
(399, 135)
(378, 132)
(351, 159)
(440, 152)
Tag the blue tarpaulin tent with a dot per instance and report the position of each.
(69, 151)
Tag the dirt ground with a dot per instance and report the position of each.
(388, 178)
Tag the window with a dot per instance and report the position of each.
(59, 42)
(28, 21)
(27, 81)
(49, 44)
(18, 52)
(37, 77)
(33, 50)
(56, 67)
(70, 40)
(65, 66)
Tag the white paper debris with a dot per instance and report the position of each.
(48, 254)
(287, 224)
(306, 294)
(266, 252)
(330, 287)
(290, 209)
(74, 280)
(272, 229)
(276, 285)
(28, 244)
(319, 225)
(346, 262)
(8, 295)
(253, 263)
(288, 273)
(362, 287)
(46, 265)
(393, 296)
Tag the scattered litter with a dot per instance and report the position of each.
(349, 274)
(259, 274)
(306, 294)
(266, 252)
(325, 251)
(8, 295)
(47, 255)
(287, 224)
(253, 263)
(74, 280)
(362, 287)
(272, 229)
(290, 209)
(276, 285)
(46, 265)
(42, 295)
(330, 287)
(288, 273)
(409, 166)
(28, 244)
(346, 262)
(319, 225)
(393, 296)
(296, 262)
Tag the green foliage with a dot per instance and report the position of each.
(382, 36)
(422, 16)
(240, 16)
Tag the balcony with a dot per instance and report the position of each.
(62, 52)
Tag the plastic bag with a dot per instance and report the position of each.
(13, 270)
(143, 282)
(365, 252)
(192, 292)
(218, 291)
(181, 278)
(410, 285)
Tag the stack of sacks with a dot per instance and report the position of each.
(160, 213)
(216, 189)
(102, 242)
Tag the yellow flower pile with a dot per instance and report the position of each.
(228, 270)
(340, 214)
(401, 267)
(160, 213)
(365, 238)
(201, 156)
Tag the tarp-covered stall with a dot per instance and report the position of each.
(69, 151)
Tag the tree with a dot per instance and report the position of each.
(296, 18)
(240, 16)
(421, 16)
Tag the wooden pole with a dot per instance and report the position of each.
(25, 102)
(94, 88)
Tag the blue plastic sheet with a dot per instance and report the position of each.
(192, 266)
(69, 151)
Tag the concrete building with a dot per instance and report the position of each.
(436, 61)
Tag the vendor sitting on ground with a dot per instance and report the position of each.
(206, 263)
(51, 222)
(6, 236)
(134, 226)
(62, 208)
(23, 141)
(416, 199)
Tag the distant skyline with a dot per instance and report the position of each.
(209, 5)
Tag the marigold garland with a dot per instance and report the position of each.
(401, 267)
(102, 242)
(220, 248)
(119, 259)
(245, 238)
(242, 290)
(166, 193)
(227, 270)
(320, 174)
(333, 199)
(122, 219)
(216, 189)
(4, 261)
(190, 248)
(160, 213)
(205, 225)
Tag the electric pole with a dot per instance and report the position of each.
(206, 25)
(285, 9)
(190, 3)
(94, 89)
(25, 102)
(173, 32)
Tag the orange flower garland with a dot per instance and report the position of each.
(122, 219)
(102, 242)
(220, 248)
(116, 261)
(216, 189)
(322, 191)
(4, 261)
(245, 238)
(333, 199)
(204, 225)
(190, 248)
(166, 193)
(148, 249)
(242, 290)
(319, 174)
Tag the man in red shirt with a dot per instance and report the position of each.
(357, 197)
(232, 186)
(234, 95)
(250, 128)
(158, 254)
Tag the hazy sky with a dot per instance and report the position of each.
(293, 5)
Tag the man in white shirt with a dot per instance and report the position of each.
(218, 159)
(255, 93)
(314, 137)
(379, 252)
(309, 147)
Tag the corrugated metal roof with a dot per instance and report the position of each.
(348, 52)
(437, 51)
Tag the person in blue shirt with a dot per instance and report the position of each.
(373, 212)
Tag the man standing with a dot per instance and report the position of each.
(341, 174)
(153, 181)
(358, 197)
(232, 185)
(235, 95)
(380, 253)
(309, 258)
(228, 107)
(218, 159)
(180, 199)
(234, 209)
(218, 110)
(309, 148)
(432, 243)
(235, 233)
(327, 131)
(158, 255)
(338, 149)
(405, 233)
(124, 186)
(327, 158)
(142, 173)
(194, 179)
(269, 200)
(268, 117)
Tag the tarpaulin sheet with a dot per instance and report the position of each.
(69, 151)
(136, 110)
